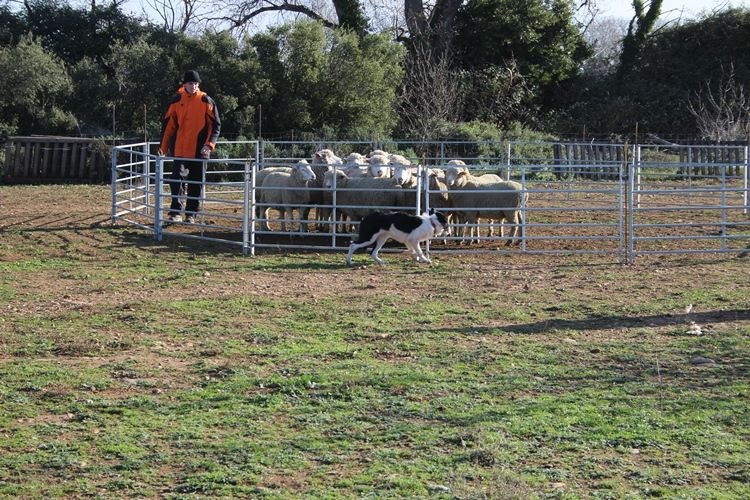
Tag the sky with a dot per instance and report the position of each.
(689, 8)
(671, 9)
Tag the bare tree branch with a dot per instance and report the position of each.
(432, 93)
(721, 111)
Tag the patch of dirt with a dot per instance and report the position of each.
(56, 221)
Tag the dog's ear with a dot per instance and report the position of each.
(432, 211)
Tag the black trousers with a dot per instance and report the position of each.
(185, 170)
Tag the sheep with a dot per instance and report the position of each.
(326, 157)
(454, 168)
(359, 196)
(322, 161)
(357, 165)
(379, 166)
(261, 174)
(500, 200)
(406, 177)
(285, 191)
(375, 152)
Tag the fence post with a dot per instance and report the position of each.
(507, 161)
(747, 177)
(522, 222)
(723, 207)
(637, 171)
(113, 166)
(248, 185)
(631, 206)
(622, 169)
(159, 173)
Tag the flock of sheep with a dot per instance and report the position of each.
(359, 184)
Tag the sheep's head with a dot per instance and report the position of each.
(402, 173)
(379, 166)
(326, 156)
(377, 152)
(355, 159)
(304, 171)
(451, 175)
(329, 175)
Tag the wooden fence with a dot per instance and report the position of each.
(709, 160)
(56, 159)
(597, 161)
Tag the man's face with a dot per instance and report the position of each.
(191, 87)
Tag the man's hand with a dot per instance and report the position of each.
(205, 152)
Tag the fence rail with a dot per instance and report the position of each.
(651, 201)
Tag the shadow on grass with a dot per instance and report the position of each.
(608, 322)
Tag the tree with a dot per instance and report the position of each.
(677, 65)
(35, 85)
(357, 89)
(73, 34)
(604, 36)
(535, 43)
(433, 94)
(141, 80)
(721, 109)
(640, 27)
(327, 84)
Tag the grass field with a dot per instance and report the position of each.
(174, 369)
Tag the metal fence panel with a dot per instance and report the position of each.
(617, 200)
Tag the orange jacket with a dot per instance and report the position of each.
(191, 122)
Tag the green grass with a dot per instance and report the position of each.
(172, 370)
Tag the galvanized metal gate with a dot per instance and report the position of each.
(626, 202)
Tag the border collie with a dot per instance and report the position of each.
(377, 227)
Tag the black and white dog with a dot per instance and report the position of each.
(376, 228)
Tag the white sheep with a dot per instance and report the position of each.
(406, 177)
(326, 157)
(261, 174)
(453, 169)
(359, 196)
(287, 191)
(379, 166)
(357, 165)
(322, 161)
(500, 200)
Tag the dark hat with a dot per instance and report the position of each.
(191, 76)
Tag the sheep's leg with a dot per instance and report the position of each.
(514, 230)
(304, 214)
(519, 227)
(472, 221)
(323, 215)
(282, 215)
(263, 217)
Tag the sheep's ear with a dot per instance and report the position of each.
(462, 172)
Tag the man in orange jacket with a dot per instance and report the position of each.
(190, 129)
